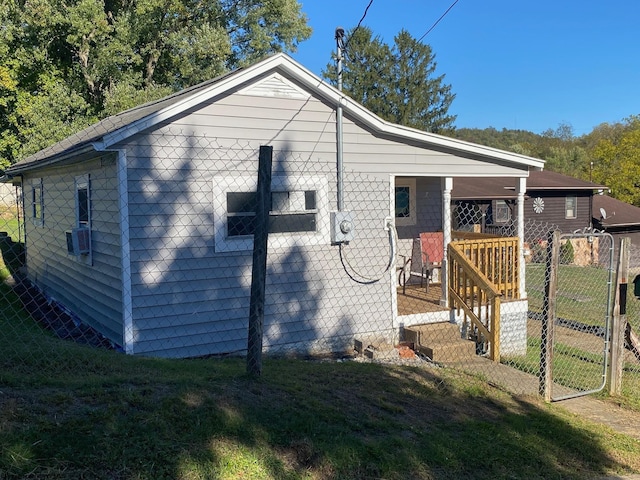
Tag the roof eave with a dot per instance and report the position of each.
(68, 156)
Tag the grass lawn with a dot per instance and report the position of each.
(582, 292)
(71, 412)
(67, 411)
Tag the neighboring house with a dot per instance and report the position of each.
(617, 218)
(137, 223)
(551, 197)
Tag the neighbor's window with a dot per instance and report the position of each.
(570, 207)
(37, 202)
(502, 212)
(83, 201)
(405, 201)
(295, 208)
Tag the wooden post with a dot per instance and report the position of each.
(619, 319)
(259, 269)
(549, 311)
(495, 328)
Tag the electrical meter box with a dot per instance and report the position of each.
(342, 227)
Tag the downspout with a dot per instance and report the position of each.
(339, 134)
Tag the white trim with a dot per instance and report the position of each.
(37, 184)
(411, 183)
(222, 185)
(80, 181)
(125, 254)
(575, 207)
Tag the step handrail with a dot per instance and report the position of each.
(471, 292)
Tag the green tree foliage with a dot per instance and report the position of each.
(616, 163)
(65, 64)
(398, 83)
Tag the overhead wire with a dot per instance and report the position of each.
(438, 21)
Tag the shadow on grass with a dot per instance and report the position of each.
(123, 417)
(13, 254)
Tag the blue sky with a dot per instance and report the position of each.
(528, 65)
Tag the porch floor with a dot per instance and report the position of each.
(417, 300)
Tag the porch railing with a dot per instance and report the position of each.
(497, 258)
(482, 270)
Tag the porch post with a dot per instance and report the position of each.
(447, 186)
(521, 188)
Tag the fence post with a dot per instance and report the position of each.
(495, 329)
(549, 314)
(619, 319)
(259, 268)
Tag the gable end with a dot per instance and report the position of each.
(275, 86)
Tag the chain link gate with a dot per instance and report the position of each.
(576, 314)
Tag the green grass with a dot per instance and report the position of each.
(73, 412)
(573, 367)
(9, 221)
(581, 293)
(67, 411)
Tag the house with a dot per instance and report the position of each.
(138, 225)
(618, 218)
(551, 197)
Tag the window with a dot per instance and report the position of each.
(290, 211)
(502, 212)
(82, 201)
(297, 211)
(570, 207)
(405, 201)
(37, 202)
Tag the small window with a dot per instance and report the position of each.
(297, 210)
(502, 212)
(83, 204)
(570, 207)
(405, 201)
(290, 212)
(37, 203)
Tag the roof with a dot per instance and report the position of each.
(616, 213)
(547, 180)
(501, 188)
(112, 130)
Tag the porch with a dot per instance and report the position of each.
(480, 272)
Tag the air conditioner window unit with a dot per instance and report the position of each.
(78, 241)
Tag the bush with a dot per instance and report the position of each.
(566, 253)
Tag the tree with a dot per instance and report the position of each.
(69, 63)
(397, 83)
(617, 165)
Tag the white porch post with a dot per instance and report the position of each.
(447, 186)
(521, 188)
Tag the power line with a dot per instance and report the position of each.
(366, 10)
(437, 21)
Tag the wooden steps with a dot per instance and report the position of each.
(440, 342)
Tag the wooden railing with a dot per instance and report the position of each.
(482, 269)
(498, 259)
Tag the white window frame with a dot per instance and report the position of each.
(37, 186)
(505, 205)
(224, 185)
(80, 182)
(567, 208)
(411, 184)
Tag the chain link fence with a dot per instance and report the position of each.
(157, 259)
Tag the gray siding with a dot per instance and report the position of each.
(92, 292)
(188, 299)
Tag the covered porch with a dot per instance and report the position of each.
(473, 272)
